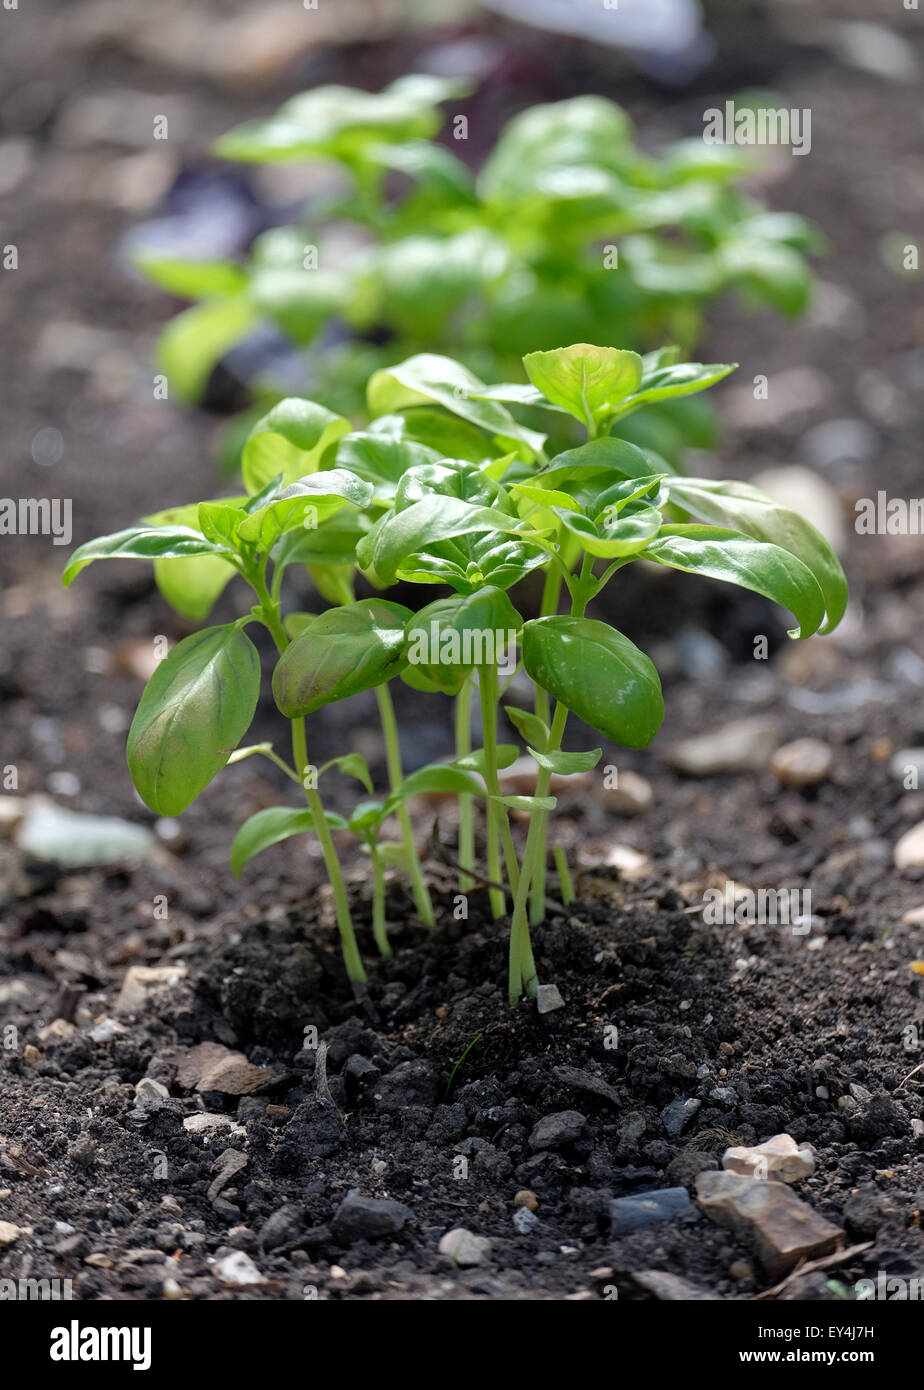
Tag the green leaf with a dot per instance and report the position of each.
(431, 165)
(382, 459)
(527, 803)
(757, 565)
(446, 435)
(340, 122)
(299, 300)
(417, 282)
(351, 765)
(271, 826)
(744, 508)
(291, 439)
(449, 638)
(769, 271)
(193, 713)
(331, 544)
(589, 382)
(597, 673)
(674, 381)
(295, 623)
(438, 778)
(140, 543)
(195, 341)
(192, 587)
(565, 764)
(561, 135)
(218, 521)
(599, 462)
(346, 650)
(192, 279)
(305, 503)
(366, 819)
(617, 534)
(532, 728)
(429, 377)
(424, 524)
(506, 753)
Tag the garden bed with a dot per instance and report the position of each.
(769, 1031)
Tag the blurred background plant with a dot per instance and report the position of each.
(568, 232)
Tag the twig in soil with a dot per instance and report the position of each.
(321, 1087)
(913, 1072)
(838, 1258)
(441, 853)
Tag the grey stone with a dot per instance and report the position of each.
(670, 1288)
(78, 841)
(678, 1115)
(629, 1214)
(554, 1130)
(464, 1249)
(745, 745)
(368, 1218)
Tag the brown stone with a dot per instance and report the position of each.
(783, 1228)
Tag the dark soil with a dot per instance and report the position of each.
(767, 1030)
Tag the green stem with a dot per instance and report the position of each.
(379, 927)
(492, 827)
(351, 957)
(466, 806)
(551, 593)
(522, 976)
(395, 778)
(564, 875)
(490, 699)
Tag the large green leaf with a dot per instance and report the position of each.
(597, 673)
(416, 282)
(382, 459)
(340, 121)
(291, 439)
(429, 377)
(447, 435)
(269, 827)
(426, 523)
(195, 341)
(192, 279)
(140, 543)
(192, 587)
(758, 565)
(305, 503)
(676, 380)
(343, 651)
(598, 463)
(561, 135)
(589, 382)
(193, 713)
(449, 638)
(742, 507)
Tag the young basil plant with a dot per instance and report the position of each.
(446, 487)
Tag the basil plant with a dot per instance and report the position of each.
(448, 488)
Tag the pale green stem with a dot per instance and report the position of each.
(351, 957)
(564, 875)
(489, 706)
(395, 778)
(466, 806)
(379, 926)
